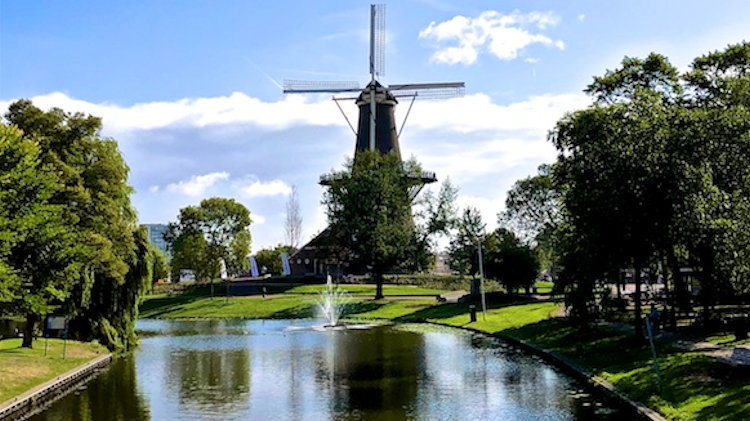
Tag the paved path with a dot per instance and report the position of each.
(738, 355)
(453, 296)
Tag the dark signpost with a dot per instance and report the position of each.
(56, 323)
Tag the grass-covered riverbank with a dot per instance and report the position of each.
(693, 387)
(21, 369)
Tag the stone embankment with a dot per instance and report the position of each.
(39, 398)
(583, 374)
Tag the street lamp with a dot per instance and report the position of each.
(481, 279)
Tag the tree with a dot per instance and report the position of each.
(369, 214)
(204, 235)
(658, 170)
(93, 198)
(506, 259)
(613, 165)
(534, 211)
(159, 264)
(37, 249)
(271, 259)
(293, 220)
(436, 216)
(462, 251)
(533, 207)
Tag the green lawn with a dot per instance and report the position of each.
(369, 290)
(280, 306)
(694, 387)
(543, 287)
(726, 340)
(21, 369)
(284, 306)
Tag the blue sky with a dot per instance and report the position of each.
(188, 88)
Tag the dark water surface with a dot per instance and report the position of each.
(259, 370)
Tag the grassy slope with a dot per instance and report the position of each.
(22, 369)
(693, 386)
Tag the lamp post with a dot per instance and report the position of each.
(481, 279)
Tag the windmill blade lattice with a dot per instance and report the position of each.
(320, 86)
(429, 90)
(377, 40)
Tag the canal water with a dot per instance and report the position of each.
(281, 370)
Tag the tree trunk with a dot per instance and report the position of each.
(669, 296)
(638, 323)
(28, 330)
(708, 284)
(682, 299)
(378, 277)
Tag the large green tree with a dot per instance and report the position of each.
(514, 264)
(612, 166)
(215, 230)
(462, 250)
(93, 198)
(369, 214)
(658, 171)
(38, 252)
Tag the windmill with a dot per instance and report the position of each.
(376, 102)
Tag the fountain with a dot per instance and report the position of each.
(331, 304)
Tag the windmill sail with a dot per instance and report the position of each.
(377, 40)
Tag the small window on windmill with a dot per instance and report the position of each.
(299, 261)
(307, 261)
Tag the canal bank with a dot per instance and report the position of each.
(570, 367)
(40, 397)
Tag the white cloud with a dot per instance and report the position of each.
(237, 108)
(197, 184)
(482, 145)
(272, 188)
(531, 60)
(474, 113)
(503, 35)
(467, 114)
(581, 17)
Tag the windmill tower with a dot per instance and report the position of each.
(376, 102)
(376, 127)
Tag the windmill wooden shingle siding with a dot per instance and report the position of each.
(376, 129)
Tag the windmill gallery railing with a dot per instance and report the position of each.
(414, 176)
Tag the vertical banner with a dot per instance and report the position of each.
(254, 267)
(285, 264)
(223, 269)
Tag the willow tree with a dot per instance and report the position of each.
(93, 197)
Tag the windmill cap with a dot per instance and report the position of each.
(382, 95)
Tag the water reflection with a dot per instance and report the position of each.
(112, 396)
(234, 370)
(374, 372)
